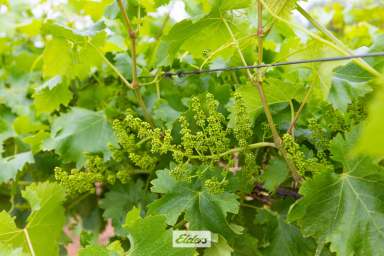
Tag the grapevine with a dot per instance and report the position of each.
(183, 128)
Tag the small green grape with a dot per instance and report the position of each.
(214, 186)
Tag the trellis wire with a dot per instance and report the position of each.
(182, 73)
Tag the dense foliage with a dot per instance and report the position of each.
(101, 154)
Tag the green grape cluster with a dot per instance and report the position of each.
(210, 138)
(243, 127)
(304, 165)
(319, 138)
(181, 172)
(204, 137)
(336, 121)
(217, 138)
(243, 133)
(214, 186)
(77, 181)
(294, 152)
(356, 112)
(250, 168)
(143, 160)
(132, 128)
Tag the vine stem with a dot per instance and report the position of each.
(135, 82)
(299, 111)
(113, 67)
(234, 150)
(29, 242)
(259, 85)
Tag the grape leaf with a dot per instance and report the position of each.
(246, 245)
(9, 166)
(351, 81)
(44, 224)
(372, 137)
(94, 250)
(120, 199)
(57, 58)
(71, 53)
(219, 248)
(343, 92)
(344, 209)
(321, 75)
(95, 9)
(202, 209)
(275, 174)
(187, 36)
(354, 73)
(14, 96)
(149, 236)
(276, 91)
(281, 236)
(78, 132)
(24, 125)
(50, 95)
(113, 249)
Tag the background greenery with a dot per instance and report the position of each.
(97, 159)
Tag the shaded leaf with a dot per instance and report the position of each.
(122, 198)
(79, 132)
(346, 209)
(44, 224)
(282, 237)
(9, 166)
(275, 174)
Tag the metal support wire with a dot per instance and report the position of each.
(182, 73)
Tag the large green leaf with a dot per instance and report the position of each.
(276, 90)
(282, 237)
(42, 232)
(9, 166)
(345, 209)
(71, 53)
(351, 81)
(149, 236)
(354, 73)
(321, 74)
(57, 58)
(188, 36)
(202, 209)
(79, 132)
